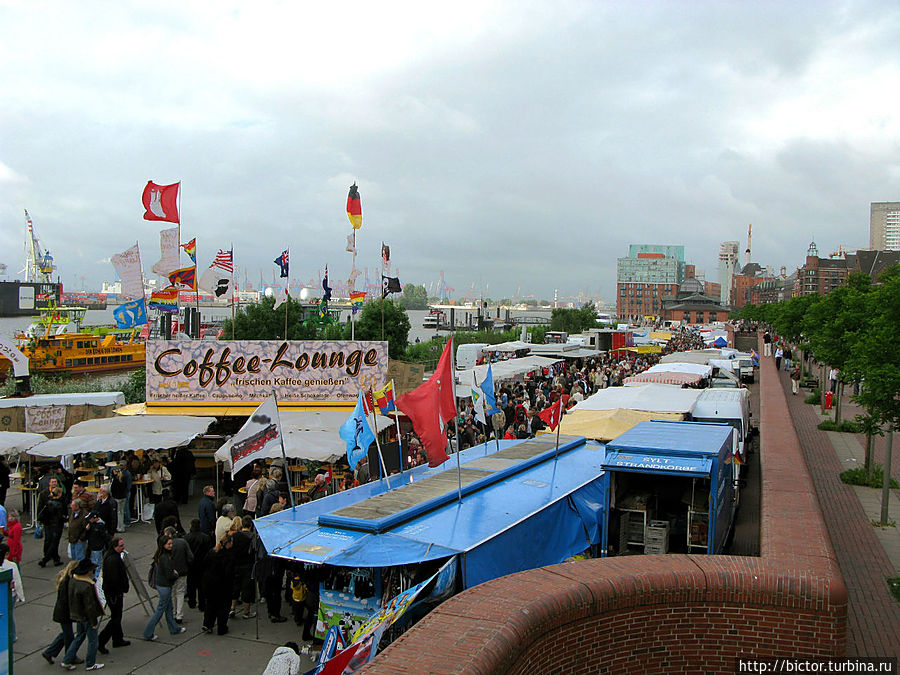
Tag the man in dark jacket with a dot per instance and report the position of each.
(85, 611)
(108, 510)
(52, 515)
(166, 507)
(201, 544)
(207, 511)
(183, 468)
(115, 586)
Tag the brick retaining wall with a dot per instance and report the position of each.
(656, 614)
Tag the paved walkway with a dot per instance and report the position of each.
(867, 555)
(245, 649)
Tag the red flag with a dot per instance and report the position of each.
(368, 403)
(161, 202)
(430, 406)
(550, 415)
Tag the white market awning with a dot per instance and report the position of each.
(651, 397)
(311, 435)
(98, 398)
(118, 434)
(695, 368)
(15, 442)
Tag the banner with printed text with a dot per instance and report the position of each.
(250, 370)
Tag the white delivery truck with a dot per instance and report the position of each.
(470, 355)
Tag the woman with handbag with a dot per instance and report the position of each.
(166, 574)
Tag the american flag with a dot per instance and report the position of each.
(224, 260)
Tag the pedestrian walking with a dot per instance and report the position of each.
(795, 380)
(201, 543)
(183, 558)
(207, 510)
(77, 530)
(13, 534)
(85, 611)
(61, 616)
(767, 344)
(166, 574)
(115, 586)
(779, 353)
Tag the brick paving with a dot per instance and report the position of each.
(874, 615)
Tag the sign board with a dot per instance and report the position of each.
(45, 419)
(26, 297)
(251, 370)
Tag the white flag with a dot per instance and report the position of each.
(260, 433)
(170, 254)
(128, 267)
(218, 283)
(478, 400)
(281, 297)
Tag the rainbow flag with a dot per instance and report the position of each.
(356, 300)
(191, 249)
(165, 300)
(354, 207)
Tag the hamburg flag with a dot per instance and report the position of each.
(283, 261)
(161, 202)
(478, 401)
(354, 207)
(356, 433)
(186, 276)
(384, 398)
(430, 406)
(550, 414)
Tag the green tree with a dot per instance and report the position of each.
(414, 297)
(260, 321)
(396, 325)
(573, 320)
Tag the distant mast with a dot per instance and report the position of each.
(39, 266)
(747, 252)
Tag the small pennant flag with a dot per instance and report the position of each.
(386, 256)
(326, 289)
(356, 300)
(161, 202)
(186, 276)
(384, 398)
(390, 285)
(551, 414)
(478, 401)
(351, 244)
(191, 249)
(487, 389)
(354, 207)
(283, 261)
(165, 300)
(368, 402)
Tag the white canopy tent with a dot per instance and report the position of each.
(502, 371)
(680, 367)
(649, 397)
(118, 434)
(16, 442)
(310, 435)
(701, 356)
(98, 398)
(508, 347)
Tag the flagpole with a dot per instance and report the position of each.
(455, 419)
(287, 293)
(558, 427)
(377, 443)
(284, 454)
(234, 295)
(196, 291)
(397, 421)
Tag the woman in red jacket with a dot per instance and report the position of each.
(13, 534)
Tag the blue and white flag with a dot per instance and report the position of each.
(356, 434)
(478, 401)
(130, 314)
(487, 388)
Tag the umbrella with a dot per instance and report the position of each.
(15, 442)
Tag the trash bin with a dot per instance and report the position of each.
(829, 400)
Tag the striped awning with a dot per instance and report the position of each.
(667, 377)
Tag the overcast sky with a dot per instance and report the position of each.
(510, 144)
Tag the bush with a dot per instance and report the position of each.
(846, 426)
(894, 585)
(814, 397)
(858, 476)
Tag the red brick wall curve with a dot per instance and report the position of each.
(659, 613)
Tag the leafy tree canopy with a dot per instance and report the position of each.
(414, 297)
(396, 325)
(574, 320)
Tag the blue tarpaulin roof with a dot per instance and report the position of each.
(550, 510)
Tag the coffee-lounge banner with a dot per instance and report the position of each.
(250, 370)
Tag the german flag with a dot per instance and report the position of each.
(354, 207)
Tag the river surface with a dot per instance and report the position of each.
(11, 326)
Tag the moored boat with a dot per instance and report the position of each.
(81, 353)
